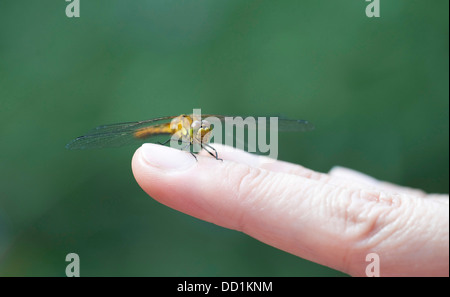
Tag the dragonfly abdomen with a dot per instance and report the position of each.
(153, 130)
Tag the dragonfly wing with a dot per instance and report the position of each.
(116, 135)
(284, 125)
(112, 139)
(253, 125)
(129, 125)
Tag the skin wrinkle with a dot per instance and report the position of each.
(375, 211)
(246, 181)
(358, 217)
(242, 192)
(403, 227)
(438, 229)
(300, 239)
(313, 189)
(393, 241)
(441, 237)
(328, 232)
(248, 198)
(303, 200)
(379, 230)
(414, 217)
(336, 207)
(288, 204)
(398, 236)
(315, 207)
(271, 232)
(367, 223)
(258, 204)
(221, 211)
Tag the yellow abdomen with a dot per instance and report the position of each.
(153, 130)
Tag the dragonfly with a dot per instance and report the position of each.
(189, 130)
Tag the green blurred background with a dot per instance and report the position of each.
(376, 90)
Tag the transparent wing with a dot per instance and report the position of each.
(116, 135)
(255, 127)
(129, 125)
(284, 125)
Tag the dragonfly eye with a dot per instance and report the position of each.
(206, 125)
(196, 125)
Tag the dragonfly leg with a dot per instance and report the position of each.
(193, 155)
(182, 141)
(186, 146)
(215, 155)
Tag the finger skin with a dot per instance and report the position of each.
(311, 218)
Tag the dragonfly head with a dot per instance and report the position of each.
(201, 131)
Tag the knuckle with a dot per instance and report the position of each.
(370, 218)
(368, 212)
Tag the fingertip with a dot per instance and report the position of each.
(164, 158)
(176, 178)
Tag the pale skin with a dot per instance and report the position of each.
(334, 219)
